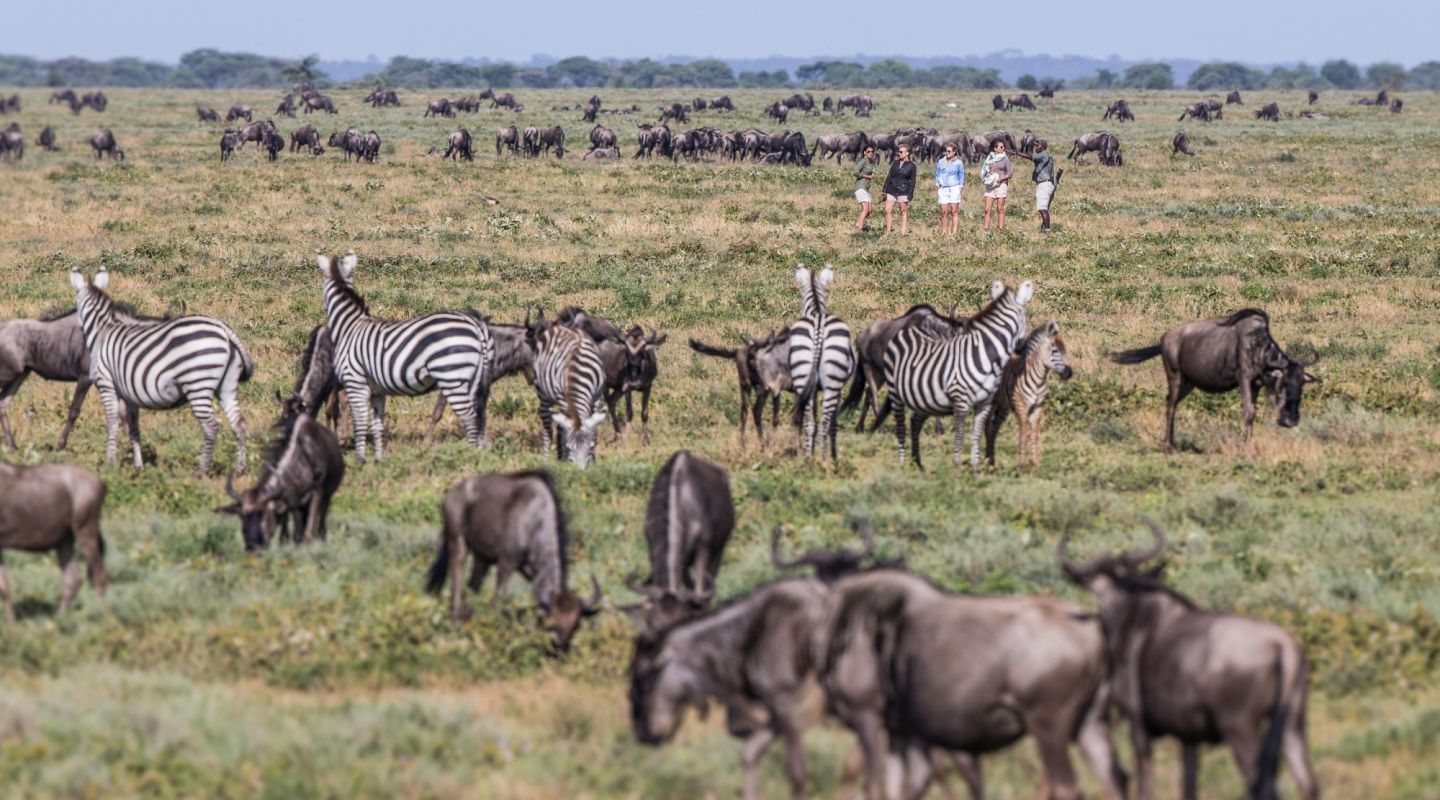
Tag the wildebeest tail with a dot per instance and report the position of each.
(857, 392)
(1291, 675)
(710, 350)
(1135, 356)
(440, 570)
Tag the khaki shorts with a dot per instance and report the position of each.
(899, 198)
(1043, 192)
(1000, 191)
(862, 195)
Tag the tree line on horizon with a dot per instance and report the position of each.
(214, 69)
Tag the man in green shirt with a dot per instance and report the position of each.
(864, 171)
(1046, 178)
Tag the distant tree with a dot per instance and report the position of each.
(830, 73)
(1104, 79)
(888, 73)
(1054, 83)
(1341, 74)
(21, 71)
(1149, 75)
(501, 76)
(303, 70)
(533, 78)
(1300, 76)
(1224, 75)
(638, 74)
(761, 79)
(1027, 82)
(950, 76)
(1386, 75)
(578, 71)
(1425, 76)
(712, 73)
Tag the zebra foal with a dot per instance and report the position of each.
(377, 358)
(1023, 389)
(569, 379)
(161, 364)
(821, 357)
(958, 374)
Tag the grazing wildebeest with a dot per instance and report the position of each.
(351, 142)
(547, 138)
(1271, 111)
(460, 146)
(870, 353)
(1396, 105)
(370, 147)
(1200, 111)
(95, 100)
(602, 153)
(688, 522)
(239, 112)
(319, 102)
(1021, 100)
(12, 142)
(997, 103)
(207, 114)
(778, 112)
(1096, 142)
(862, 103)
(630, 366)
(287, 106)
(1181, 144)
(898, 659)
(841, 145)
(256, 132)
(1047, 91)
(506, 100)
(10, 105)
(273, 143)
(66, 96)
(46, 140)
(52, 507)
(470, 104)
(698, 104)
(1220, 355)
(722, 103)
(1216, 108)
(513, 522)
(1314, 95)
(753, 657)
(762, 366)
(601, 136)
(304, 136)
(1023, 389)
(229, 141)
(674, 111)
(1234, 98)
(382, 97)
(439, 108)
(507, 138)
(1200, 676)
(1120, 110)
(104, 144)
(303, 469)
(1027, 142)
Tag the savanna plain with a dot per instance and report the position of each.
(325, 671)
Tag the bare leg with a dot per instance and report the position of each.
(985, 221)
(905, 217)
(889, 212)
(1000, 201)
(864, 212)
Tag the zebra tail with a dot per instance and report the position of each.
(1135, 356)
(247, 364)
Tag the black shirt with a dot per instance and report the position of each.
(901, 180)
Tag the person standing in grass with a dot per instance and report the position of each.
(949, 181)
(1046, 178)
(899, 187)
(996, 177)
(864, 172)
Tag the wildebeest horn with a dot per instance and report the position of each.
(775, 558)
(230, 487)
(1305, 362)
(591, 607)
(1136, 559)
(867, 535)
(1076, 572)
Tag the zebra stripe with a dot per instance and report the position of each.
(162, 364)
(934, 376)
(376, 359)
(570, 377)
(821, 357)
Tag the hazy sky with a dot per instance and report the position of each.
(1258, 31)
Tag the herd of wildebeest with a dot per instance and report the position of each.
(892, 656)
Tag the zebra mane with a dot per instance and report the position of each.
(341, 285)
(985, 312)
(1039, 333)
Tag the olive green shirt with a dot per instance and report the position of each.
(864, 171)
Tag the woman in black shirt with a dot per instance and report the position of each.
(899, 187)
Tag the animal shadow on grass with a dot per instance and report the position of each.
(38, 607)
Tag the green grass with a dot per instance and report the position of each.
(325, 671)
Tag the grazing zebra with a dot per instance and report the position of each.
(377, 358)
(570, 375)
(821, 358)
(957, 374)
(161, 364)
(1023, 389)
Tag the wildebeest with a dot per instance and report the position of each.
(229, 141)
(1396, 105)
(1220, 355)
(530, 141)
(630, 366)
(239, 112)
(699, 104)
(256, 132)
(602, 153)
(1021, 100)
(1200, 111)
(1181, 144)
(674, 111)
(804, 102)
(207, 114)
(304, 136)
(513, 354)
(382, 97)
(273, 143)
(103, 143)
(688, 522)
(370, 147)
(1234, 98)
(753, 657)
(1120, 110)
(46, 140)
(512, 522)
(777, 112)
(96, 100)
(762, 367)
(862, 104)
(841, 145)
(1024, 387)
(722, 103)
(505, 100)
(1200, 676)
(12, 142)
(1215, 107)
(439, 108)
(470, 104)
(547, 138)
(351, 142)
(1314, 95)
(1271, 111)
(10, 105)
(319, 102)
(870, 347)
(287, 106)
(1102, 142)
(53, 507)
(507, 138)
(52, 347)
(997, 103)
(900, 659)
(832, 565)
(1027, 142)
(459, 146)
(601, 136)
(1047, 91)
(65, 96)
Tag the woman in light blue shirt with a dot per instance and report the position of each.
(949, 181)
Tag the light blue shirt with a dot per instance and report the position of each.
(949, 172)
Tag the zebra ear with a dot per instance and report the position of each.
(996, 289)
(593, 421)
(102, 279)
(347, 264)
(802, 276)
(322, 261)
(77, 281)
(1052, 328)
(826, 276)
(1027, 291)
(563, 423)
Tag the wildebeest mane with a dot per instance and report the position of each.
(1243, 314)
(562, 534)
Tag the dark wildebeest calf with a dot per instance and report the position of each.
(630, 366)
(1200, 676)
(1271, 111)
(762, 366)
(1220, 355)
(103, 143)
(47, 140)
(52, 507)
(1234, 98)
(1181, 144)
(513, 521)
(229, 141)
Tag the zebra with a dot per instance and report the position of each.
(821, 358)
(160, 364)
(956, 374)
(1023, 389)
(376, 359)
(569, 374)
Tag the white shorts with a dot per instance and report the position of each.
(898, 198)
(999, 191)
(1043, 192)
(862, 195)
(949, 195)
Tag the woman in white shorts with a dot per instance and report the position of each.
(864, 173)
(996, 177)
(949, 181)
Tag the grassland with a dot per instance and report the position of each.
(325, 672)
